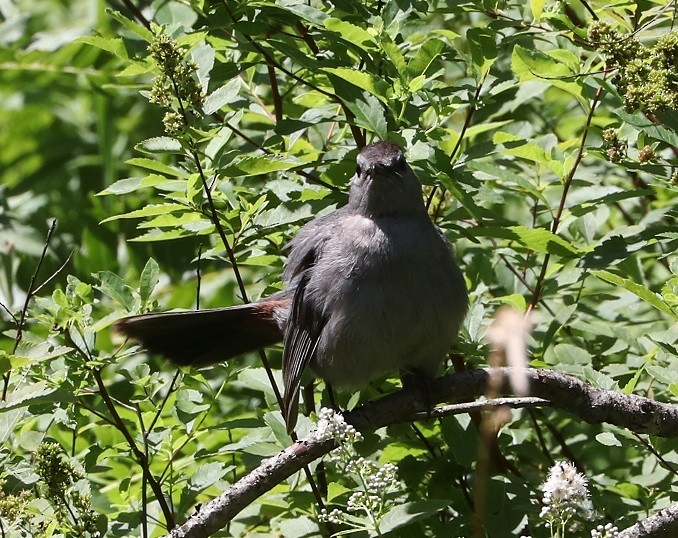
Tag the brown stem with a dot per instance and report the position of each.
(561, 206)
(30, 292)
(141, 458)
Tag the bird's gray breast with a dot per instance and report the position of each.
(387, 291)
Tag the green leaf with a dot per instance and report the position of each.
(155, 166)
(26, 395)
(149, 210)
(353, 34)
(591, 205)
(515, 145)
(363, 80)
(641, 291)
(160, 144)
(114, 45)
(134, 27)
(148, 280)
(663, 375)
(114, 287)
(206, 475)
(535, 239)
(569, 354)
(369, 114)
(222, 96)
(395, 55)
(254, 165)
(658, 132)
(536, 65)
(481, 42)
(406, 513)
(132, 184)
(537, 8)
(425, 56)
(608, 439)
(597, 378)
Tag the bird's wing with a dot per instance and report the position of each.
(301, 339)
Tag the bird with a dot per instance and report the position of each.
(370, 289)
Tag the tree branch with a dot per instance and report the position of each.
(591, 404)
(663, 524)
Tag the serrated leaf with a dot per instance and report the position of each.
(206, 475)
(592, 205)
(363, 80)
(569, 354)
(149, 210)
(27, 394)
(641, 291)
(535, 239)
(515, 145)
(406, 513)
(222, 96)
(663, 375)
(640, 121)
(424, 57)
(531, 64)
(114, 45)
(483, 47)
(160, 235)
(350, 32)
(155, 166)
(254, 165)
(608, 439)
(277, 424)
(160, 144)
(134, 27)
(203, 55)
(114, 287)
(132, 184)
(306, 12)
(395, 55)
(370, 115)
(597, 378)
(148, 280)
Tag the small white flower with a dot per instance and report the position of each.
(565, 494)
(606, 531)
(564, 483)
(331, 425)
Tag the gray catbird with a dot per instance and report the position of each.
(371, 288)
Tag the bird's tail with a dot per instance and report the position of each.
(203, 337)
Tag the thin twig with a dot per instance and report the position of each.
(453, 154)
(30, 292)
(563, 197)
(138, 15)
(141, 458)
(487, 405)
(54, 274)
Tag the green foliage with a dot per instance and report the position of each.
(553, 177)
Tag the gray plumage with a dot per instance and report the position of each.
(371, 288)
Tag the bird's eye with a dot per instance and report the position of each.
(400, 163)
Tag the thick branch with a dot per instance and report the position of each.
(591, 404)
(663, 524)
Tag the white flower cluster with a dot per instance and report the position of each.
(374, 481)
(374, 477)
(334, 517)
(607, 531)
(565, 493)
(331, 425)
(359, 500)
